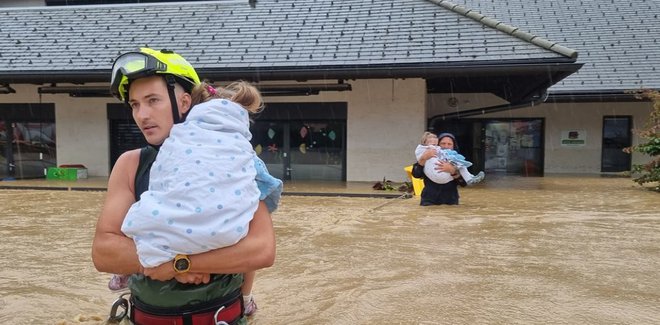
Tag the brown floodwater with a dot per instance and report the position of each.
(551, 250)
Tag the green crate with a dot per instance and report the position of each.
(65, 174)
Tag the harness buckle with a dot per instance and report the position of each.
(121, 302)
(215, 317)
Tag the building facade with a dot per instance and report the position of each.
(349, 85)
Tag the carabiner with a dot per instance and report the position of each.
(120, 302)
(215, 317)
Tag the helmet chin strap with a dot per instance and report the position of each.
(170, 81)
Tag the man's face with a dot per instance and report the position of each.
(446, 143)
(151, 108)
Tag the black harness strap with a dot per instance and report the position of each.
(147, 157)
(170, 81)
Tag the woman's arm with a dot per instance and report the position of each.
(428, 154)
(447, 167)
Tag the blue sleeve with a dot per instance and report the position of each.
(269, 186)
(457, 158)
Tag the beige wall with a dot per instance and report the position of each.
(81, 127)
(562, 117)
(588, 117)
(82, 133)
(439, 103)
(386, 118)
(385, 121)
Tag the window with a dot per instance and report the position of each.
(27, 140)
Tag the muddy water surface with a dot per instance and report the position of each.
(552, 250)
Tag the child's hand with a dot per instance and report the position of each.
(165, 272)
(161, 272)
(196, 278)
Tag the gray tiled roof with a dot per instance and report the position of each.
(276, 34)
(618, 41)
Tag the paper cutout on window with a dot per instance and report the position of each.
(303, 132)
(302, 148)
(332, 135)
(272, 148)
(258, 149)
(271, 133)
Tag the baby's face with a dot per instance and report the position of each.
(431, 141)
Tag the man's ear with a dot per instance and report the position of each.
(185, 102)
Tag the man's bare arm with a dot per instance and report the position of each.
(112, 251)
(255, 251)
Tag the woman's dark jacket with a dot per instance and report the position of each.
(434, 193)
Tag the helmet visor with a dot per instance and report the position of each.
(130, 66)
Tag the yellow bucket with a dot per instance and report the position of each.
(417, 183)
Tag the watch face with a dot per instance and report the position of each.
(181, 264)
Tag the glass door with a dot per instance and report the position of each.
(617, 134)
(7, 166)
(514, 147)
(301, 150)
(302, 141)
(316, 151)
(268, 141)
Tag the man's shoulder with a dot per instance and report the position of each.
(127, 162)
(130, 155)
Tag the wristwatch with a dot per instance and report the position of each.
(181, 263)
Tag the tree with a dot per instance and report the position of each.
(649, 172)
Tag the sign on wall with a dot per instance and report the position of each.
(573, 138)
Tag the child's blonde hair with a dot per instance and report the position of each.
(240, 92)
(427, 135)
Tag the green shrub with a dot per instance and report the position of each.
(649, 172)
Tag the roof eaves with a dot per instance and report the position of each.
(511, 30)
(419, 70)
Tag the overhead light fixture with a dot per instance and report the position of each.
(76, 91)
(6, 89)
(300, 89)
